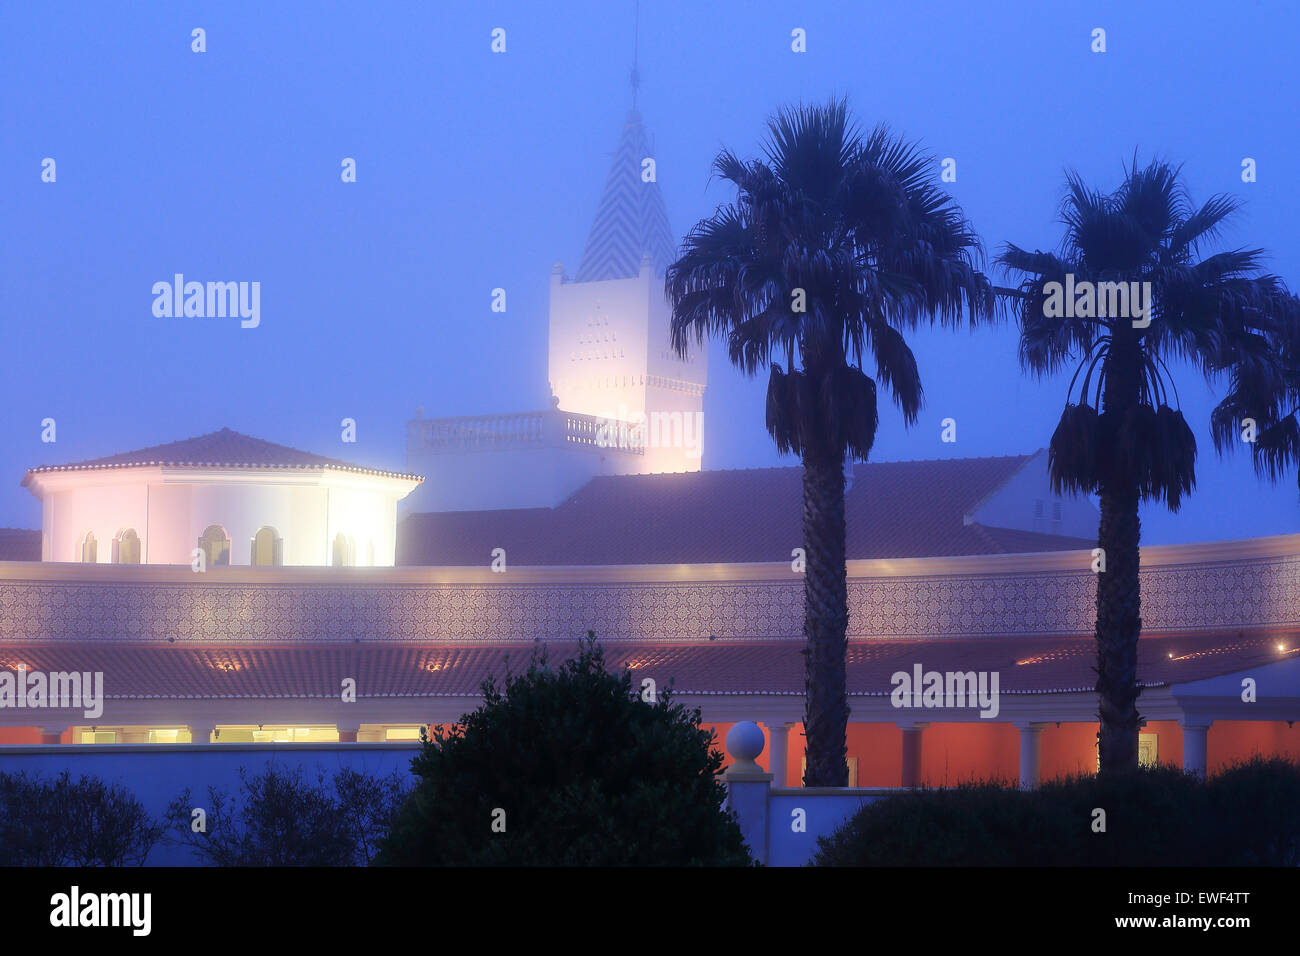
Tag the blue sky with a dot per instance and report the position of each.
(478, 170)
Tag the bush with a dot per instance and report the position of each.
(568, 767)
(1248, 815)
(1254, 809)
(282, 819)
(1154, 817)
(72, 823)
(979, 824)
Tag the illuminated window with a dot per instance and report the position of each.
(99, 736)
(89, 548)
(268, 549)
(173, 736)
(402, 733)
(215, 545)
(345, 551)
(126, 547)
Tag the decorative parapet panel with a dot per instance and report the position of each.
(523, 429)
(1233, 586)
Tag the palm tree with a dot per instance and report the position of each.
(1122, 440)
(835, 243)
(1264, 405)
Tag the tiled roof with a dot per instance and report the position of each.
(893, 510)
(631, 220)
(20, 544)
(223, 448)
(1025, 665)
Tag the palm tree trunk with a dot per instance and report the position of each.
(825, 622)
(1119, 595)
(1119, 603)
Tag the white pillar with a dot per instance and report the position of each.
(1194, 746)
(1031, 751)
(201, 733)
(778, 749)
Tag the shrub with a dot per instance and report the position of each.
(1155, 816)
(573, 769)
(283, 819)
(63, 822)
(979, 824)
(1248, 815)
(1254, 813)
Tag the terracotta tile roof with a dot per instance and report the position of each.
(20, 544)
(224, 448)
(894, 510)
(1025, 665)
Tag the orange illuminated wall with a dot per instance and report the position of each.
(20, 735)
(1231, 740)
(964, 752)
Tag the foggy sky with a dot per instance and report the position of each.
(479, 170)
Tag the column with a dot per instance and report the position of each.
(778, 748)
(1195, 734)
(201, 733)
(348, 731)
(1031, 740)
(911, 775)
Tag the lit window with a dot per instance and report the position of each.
(99, 736)
(268, 549)
(89, 548)
(215, 545)
(126, 547)
(345, 551)
(402, 733)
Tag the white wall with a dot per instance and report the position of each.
(1014, 505)
(525, 476)
(170, 508)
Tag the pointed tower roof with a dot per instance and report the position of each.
(631, 220)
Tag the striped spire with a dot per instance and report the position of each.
(631, 220)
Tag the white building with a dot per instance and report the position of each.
(236, 499)
(622, 402)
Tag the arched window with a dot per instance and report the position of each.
(267, 549)
(126, 547)
(215, 544)
(345, 551)
(89, 548)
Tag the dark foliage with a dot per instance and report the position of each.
(578, 769)
(62, 822)
(1249, 815)
(281, 818)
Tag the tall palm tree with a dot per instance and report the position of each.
(836, 243)
(1122, 439)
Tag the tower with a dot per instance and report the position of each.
(610, 351)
